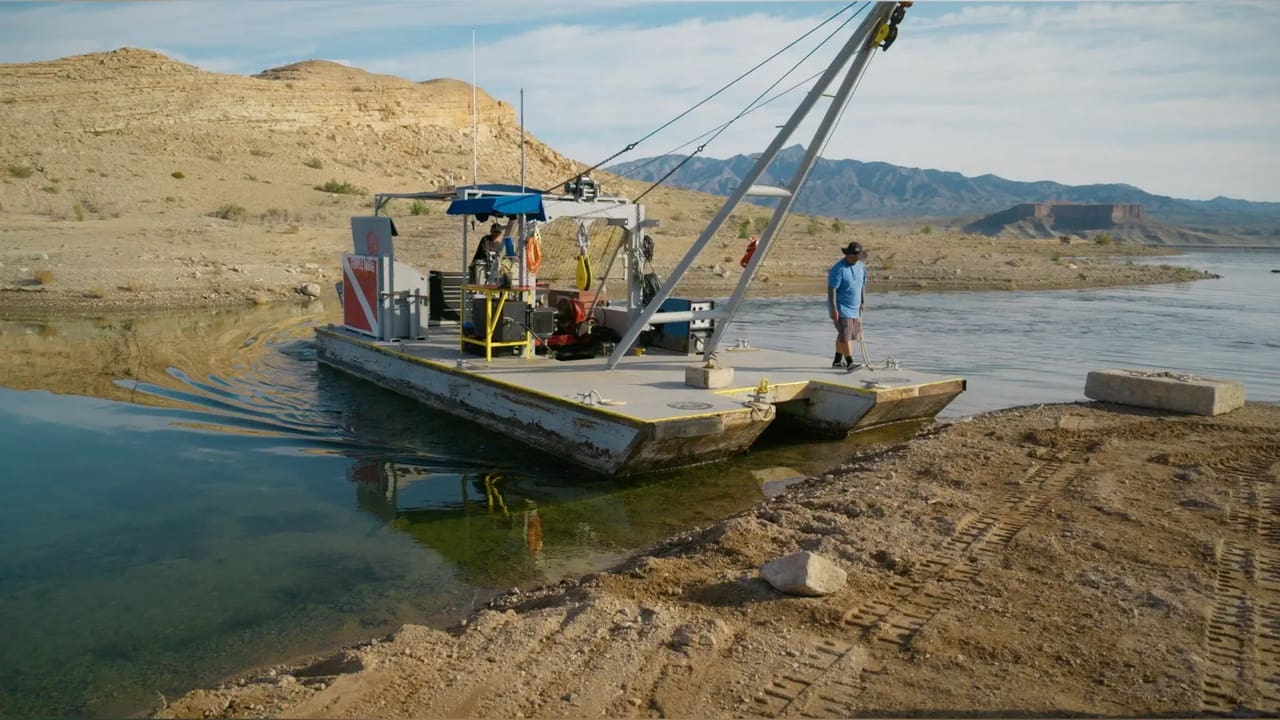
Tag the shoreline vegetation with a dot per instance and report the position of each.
(142, 264)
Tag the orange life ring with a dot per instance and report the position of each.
(533, 253)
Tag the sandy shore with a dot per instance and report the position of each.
(1079, 558)
(147, 263)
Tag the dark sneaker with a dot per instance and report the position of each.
(853, 366)
(837, 364)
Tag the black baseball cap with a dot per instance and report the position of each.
(853, 248)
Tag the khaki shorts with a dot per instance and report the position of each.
(848, 329)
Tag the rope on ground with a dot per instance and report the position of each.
(593, 397)
(1181, 377)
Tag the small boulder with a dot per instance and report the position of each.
(804, 573)
(774, 488)
(311, 290)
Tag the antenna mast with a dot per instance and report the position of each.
(522, 185)
(475, 110)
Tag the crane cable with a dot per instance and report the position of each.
(805, 180)
(700, 103)
(750, 105)
(687, 143)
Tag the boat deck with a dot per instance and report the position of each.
(641, 415)
(652, 387)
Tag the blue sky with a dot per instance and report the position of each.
(1180, 99)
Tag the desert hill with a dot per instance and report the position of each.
(1145, 232)
(130, 179)
(103, 108)
(134, 134)
(1103, 222)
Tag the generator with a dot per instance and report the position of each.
(510, 328)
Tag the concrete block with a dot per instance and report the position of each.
(1165, 390)
(705, 377)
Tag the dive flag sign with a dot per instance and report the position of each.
(360, 293)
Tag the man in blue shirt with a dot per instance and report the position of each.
(845, 282)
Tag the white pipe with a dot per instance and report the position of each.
(685, 316)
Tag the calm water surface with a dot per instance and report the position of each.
(236, 505)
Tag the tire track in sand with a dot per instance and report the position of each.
(827, 680)
(1242, 636)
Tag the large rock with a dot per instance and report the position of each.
(1164, 390)
(804, 573)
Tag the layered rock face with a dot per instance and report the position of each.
(1073, 216)
(131, 102)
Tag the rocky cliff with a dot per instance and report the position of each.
(80, 119)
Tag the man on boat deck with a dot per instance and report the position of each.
(845, 283)
(490, 246)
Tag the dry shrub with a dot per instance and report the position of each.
(232, 212)
(273, 216)
(138, 286)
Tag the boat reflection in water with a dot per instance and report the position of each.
(526, 525)
(509, 529)
(490, 526)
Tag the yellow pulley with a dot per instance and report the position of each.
(881, 33)
(582, 277)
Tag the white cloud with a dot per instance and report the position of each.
(1178, 99)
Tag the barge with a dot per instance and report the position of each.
(621, 380)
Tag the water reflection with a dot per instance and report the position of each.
(512, 528)
(489, 527)
(519, 528)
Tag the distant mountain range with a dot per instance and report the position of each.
(860, 190)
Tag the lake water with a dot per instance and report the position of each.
(236, 505)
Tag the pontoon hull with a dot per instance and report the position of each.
(641, 416)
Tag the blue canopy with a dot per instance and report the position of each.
(529, 204)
